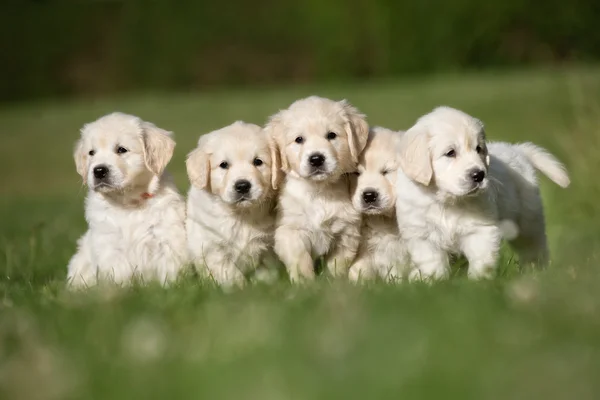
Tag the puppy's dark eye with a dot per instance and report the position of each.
(450, 153)
(478, 149)
(385, 172)
(331, 135)
(92, 152)
(257, 162)
(121, 150)
(224, 165)
(299, 140)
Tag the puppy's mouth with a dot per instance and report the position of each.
(371, 209)
(375, 209)
(244, 200)
(104, 187)
(475, 190)
(319, 174)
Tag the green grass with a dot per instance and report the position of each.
(522, 336)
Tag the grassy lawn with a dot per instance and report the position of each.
(523, 336)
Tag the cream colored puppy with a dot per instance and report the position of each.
(234, 172)
(454, 192)
(135, 214)
(320, 141)
(381, 252)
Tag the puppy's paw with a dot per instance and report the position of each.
(302, 271)
(298, 278)
(482, 273)
(228, 278)
(360, 273)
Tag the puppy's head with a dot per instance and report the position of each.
(447, 148)
(374, 190)
(239, 164)
(119, 152)
(319, 139)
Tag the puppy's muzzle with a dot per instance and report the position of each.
(101, 173)
(475, 180)
(242, 187)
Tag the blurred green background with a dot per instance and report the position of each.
(528, 69)
(75, 47)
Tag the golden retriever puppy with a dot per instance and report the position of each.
(135, 214)
(455, 192)
(381, 253)
(234, 172)
(319, 141)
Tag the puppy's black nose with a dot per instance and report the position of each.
(242, 186)
(100, 172)
(370, 196)
(477, 175)
(316, 159)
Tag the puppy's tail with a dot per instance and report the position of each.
(546, 163)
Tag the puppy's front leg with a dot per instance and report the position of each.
(361, 269)
(481, 249)
(431, 262)
(294, 252)
(170, 261)
(344, 252)
(222, 269)
(81, 271)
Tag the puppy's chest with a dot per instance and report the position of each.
(381, 239)
(330, 216)
(447, 226)
(257, 236)
(137, 227)
(132, 239)
(327, 222)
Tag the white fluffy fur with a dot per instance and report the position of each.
(136, 216)
(315, 214)
(229, 234)
(381, 253)
(441, 210)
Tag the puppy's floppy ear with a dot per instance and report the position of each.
(158, 147)
(276, 172)
(357, 129)
(198, 165)
(275, 130)
(80, 160)
(415, 159)
(487, 154)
